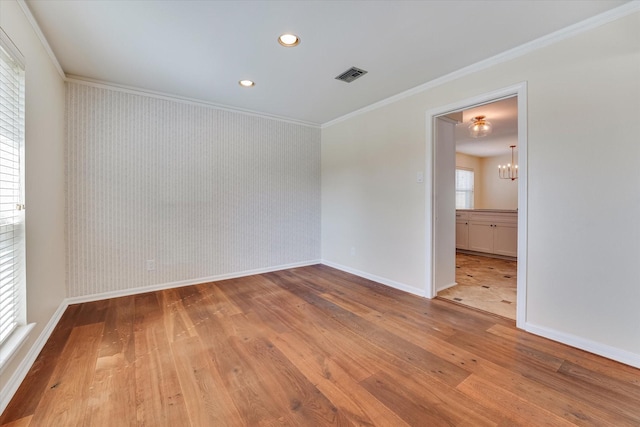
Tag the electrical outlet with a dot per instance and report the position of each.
(353, 251)
(151, 264)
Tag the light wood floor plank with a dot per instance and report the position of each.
(518, 382)
(66, 398)
(22, 422)
(30, 391)
(205, 397)
(250, 395)
(159, 397)
(337, 384)
(590, 361)
(111, 396)
(221, 304)
(371, 334)
(310, 346)
(423, 404)
(177, 324)
(290, 389)
(516, 409)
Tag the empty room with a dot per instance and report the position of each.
(309, 213)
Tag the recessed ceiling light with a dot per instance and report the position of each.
(246, 83)
(288, 40)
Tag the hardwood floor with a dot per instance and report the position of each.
(310, 346)
(488, 284)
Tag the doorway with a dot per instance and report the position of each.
(441, 194)
(486, 203)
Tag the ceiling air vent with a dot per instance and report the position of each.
(351, 74)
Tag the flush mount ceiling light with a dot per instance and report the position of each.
(479, 127)
(289, 40)
(246, 83)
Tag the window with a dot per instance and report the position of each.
(464, 189)
(12, 266)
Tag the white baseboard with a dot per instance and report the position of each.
(600, 349)
(181, 283)
(384, 281)
(16, 379)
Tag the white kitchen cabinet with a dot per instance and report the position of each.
(488, 231)
(462, 234)
(481, 236)
(505, 239)
(462, 230)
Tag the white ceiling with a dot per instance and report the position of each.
(200, 49)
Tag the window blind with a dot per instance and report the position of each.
(464, 189)
(12, 267)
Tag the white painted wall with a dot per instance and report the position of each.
(497, 193)
(204, 192)
(371, 200)
(583, 193)
(44, 170)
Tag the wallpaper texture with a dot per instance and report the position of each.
(202, 191)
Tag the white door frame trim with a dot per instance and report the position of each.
(519, 90)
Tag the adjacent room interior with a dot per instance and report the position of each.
(486, 203)
(229, 213)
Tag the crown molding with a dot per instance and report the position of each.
(43, 40)
(555, 37)
(138, 91)
(185, 100)
(552, 38)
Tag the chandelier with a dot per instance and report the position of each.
(479, 127)
(510, 170)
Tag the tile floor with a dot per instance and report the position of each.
(488, 284)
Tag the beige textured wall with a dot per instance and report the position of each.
(44, 169)
(202, 191)
(583, 232)
(497, 193)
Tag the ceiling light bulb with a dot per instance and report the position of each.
(246, 83)
(288, 40)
